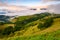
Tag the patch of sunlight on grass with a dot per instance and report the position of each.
(31, 30)
(48, 36)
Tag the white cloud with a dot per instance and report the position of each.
(49, 0)
(54, 8)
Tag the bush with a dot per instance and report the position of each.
(7, 30)
(18, 28)
(1, 23)
(40, 26)
(48, 22)
(19, 25)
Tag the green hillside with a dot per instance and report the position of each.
(44, 26)
(48, 36)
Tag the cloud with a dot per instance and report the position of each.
(3, 4)
(54, 8)
(49, 0)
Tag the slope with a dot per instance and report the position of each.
(51, 33)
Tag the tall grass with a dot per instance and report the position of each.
(48, 36)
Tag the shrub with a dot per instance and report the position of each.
(18, 28)
(19, 25)
(7, 30)
(1, 23)
(40, 26)
(48, 22)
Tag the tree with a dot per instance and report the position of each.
(1, 23)
(48, 22)
(7, 30)
(40, 26)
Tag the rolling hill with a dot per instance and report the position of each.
(44, 26)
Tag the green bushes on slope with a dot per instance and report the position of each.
(7, 30)
(1, 23)
(48, 22)
(20, 24)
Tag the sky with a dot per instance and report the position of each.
(30, 2)
(51, 5)
(22, 2)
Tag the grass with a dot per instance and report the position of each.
(51, 33)
(5, 25)
(48, 36)
(35, 31)
(32, 32)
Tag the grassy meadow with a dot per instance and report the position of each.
(44, 26)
